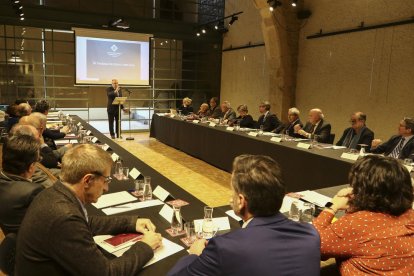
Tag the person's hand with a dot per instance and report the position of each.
(341, 199)
(143, 225)
(197, 247)
(375, 143)
(296, 128)
(64, 129)
(154, 240)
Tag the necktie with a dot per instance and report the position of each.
(396, 152)
(312, 129)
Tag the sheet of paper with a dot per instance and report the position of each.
(62, 142)
(70, 135)
(338, 147)
(212, 124)
(231, 214)
(300, 139)
(230, 128)
(276, 139)
(315, 198)
(167, 212)
(222, 223)
(114, 157)
(134, 173)
(161, 193)
(252, 133)
(114, 199)
(408, 167)
(196, 121)
(350, 156)
(303, 145)
(131, 206)
(269, 134)
(287, 202)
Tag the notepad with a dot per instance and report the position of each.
(131, 206)
(114, 199)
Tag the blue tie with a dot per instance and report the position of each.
(396, 152)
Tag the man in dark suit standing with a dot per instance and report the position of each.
(113, 113)
(268, 120)
(358, 134)
(399, 146)
(316, 128)
(56, 236)
(268, 243)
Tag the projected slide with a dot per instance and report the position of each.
(99, 60)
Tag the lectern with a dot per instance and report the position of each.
(119, 101)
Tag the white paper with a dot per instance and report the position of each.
(131, 206)
(196, 121)
(230, 128)
(269, 134)
(88, 132)
(105, 147)
(73, 141)
(212, 124)
(408, 167)
(62, 142)
(167, 213)
(114, 157)
(70, 135)
(276, 139)
(114, 199)
(79, 124)
(161, 193)
(134, 173)
(315, 198)
(338, 147)
(303, 145)
(350, 156)
(287, 202)
(94, 140)
(300, 139)
(231, 214)
(252, 133)
(222, 223)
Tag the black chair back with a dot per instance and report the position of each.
(8, 253)
(331, 138)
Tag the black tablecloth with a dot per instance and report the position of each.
(303, 169)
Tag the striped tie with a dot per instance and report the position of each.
(396, 152)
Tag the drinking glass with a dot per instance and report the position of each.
(294, 213)
(147, 179)
(177, 220)
(208, 225)
(147, 192)
(118, 168)
(307, 212)
(190, 231)
(125, 173)
(139, 187)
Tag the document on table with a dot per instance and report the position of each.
(168, 248)
(114, 199)
(222, 223)
(131, 206)
(231, 214)
(315, 198)
(287, 202)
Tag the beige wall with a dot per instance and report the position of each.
(370, 71)
(245, 77)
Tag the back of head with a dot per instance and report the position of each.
(409, 123)
(12, 110)
(259, 179)
(42, 106)
(318, 111)
(81, 160)
(380, 184)
(24, 109)
(21, 129)
(31, 120)
(242, 108)
(39, 116)
(19, 152)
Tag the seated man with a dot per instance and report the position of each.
(268, 242)
(358, 134)
(20, 154)
(214, 111)
(399, 146)
(268, 120)
(227, 112)
(316, 128)
(293, 118)
(56, 236)
(203, 111)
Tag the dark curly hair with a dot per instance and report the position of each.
(42, 106)
(380, 184)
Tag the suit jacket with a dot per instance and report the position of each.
(185, 110)
(50, 135)
(229, 115)
(387, 147)
(16, 194)
(215, 112)
(111, 108)
(270, 123)
(56, 238)
(271, 245)
(322, 132)
(288, 128)
(49, 159)
(246, 121)
(366, 137)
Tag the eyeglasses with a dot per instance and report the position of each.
(107, 180)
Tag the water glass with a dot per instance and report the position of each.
(139, 187)
(125, 173)
(147, 192)
(261, 130)
(294, 213)
(190, 231)
(208, 225)
(307, 212)
(177, 220)
(147, 179)
(118, 168)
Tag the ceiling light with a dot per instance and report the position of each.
(273, 4)
(198, 33)
(294, 3)
(203, 30)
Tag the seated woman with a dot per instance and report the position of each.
(376, 235)
(203, 112)
(186, 108)
(244, 119)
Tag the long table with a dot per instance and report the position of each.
(190, 212)
(303, 169)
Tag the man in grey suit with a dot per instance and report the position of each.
(56, 236)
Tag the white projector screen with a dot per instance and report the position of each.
(105, 55)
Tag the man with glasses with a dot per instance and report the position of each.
(399, 146)
(358, 134)
(56, 236)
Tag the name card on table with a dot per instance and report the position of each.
(114, 157)
(167, 212)
(94, 140)
(276, 139)
(350, 156)
(252, 133)
(105, 147)
(212, 124)
(79, 124)
(161, 193)
(172, 116)
(303, 145)
(409, 168)
(134, 173)
(88, 132)
(230, 128)
(196, 121)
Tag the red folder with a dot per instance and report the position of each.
(121, 239)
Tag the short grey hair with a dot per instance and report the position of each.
(266, 105)
(294, 111)
(243, 108)
(83, 159)
(226, 104)
(319, 111)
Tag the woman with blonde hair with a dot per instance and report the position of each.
(186, 107)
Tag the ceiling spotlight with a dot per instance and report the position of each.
(233, 19)
(216, 27)
(203, 30)
(273, 4)
(198, 33)
(294, 3)
(16, 1)
(21, 14)
(21, 18)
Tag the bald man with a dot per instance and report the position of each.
(316, 128)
